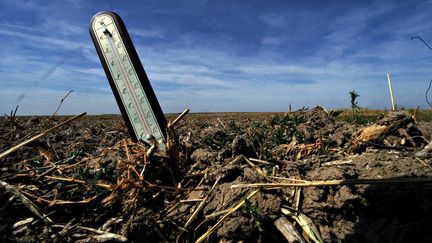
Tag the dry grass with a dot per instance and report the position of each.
(372, 115)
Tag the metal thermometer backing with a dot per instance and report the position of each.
(128, 80)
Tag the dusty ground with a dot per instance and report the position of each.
(89, 175)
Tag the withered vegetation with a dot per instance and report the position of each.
(303, 176)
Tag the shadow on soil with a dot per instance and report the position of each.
(391, 213)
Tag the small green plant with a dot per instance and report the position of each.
(215, 140)
(356, 115)
(73, 155)
(289, 124)
(278, 130)
(355, 108)
(256, 214)
(278, 136)
(82, 173)
(259, 133)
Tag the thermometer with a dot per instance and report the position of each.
(131, 87)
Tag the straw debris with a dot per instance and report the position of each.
(303, 176)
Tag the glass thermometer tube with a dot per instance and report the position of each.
(129, 83)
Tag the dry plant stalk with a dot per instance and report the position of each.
(122, 186)
(212, 229)
(58, 201)
(215, 214)
(198, 209)
(257, 169)
(61, 102)
(29, 204)
(103, 235)
(338, 182)
(201, 205)
(12, 118)
(40, 135)
(377, 132)
(260, 161)
(288, 230)
(299, 149)
(236, 160)
(422, 162)
(391, 91)
(170, 124)
(191, 200)
(306, 224)
(338, 162)
(72, 180)
(370, 133)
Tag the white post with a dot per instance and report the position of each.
(391, 91)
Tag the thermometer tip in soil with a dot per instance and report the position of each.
(131, 87)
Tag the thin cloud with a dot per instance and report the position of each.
(147, 33)
(273, 19)
(260, 58)
(46, 41)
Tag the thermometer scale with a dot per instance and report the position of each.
(131, 87)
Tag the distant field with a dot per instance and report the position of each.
(421, 115)
(344, 114)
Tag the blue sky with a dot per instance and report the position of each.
(219, 55)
